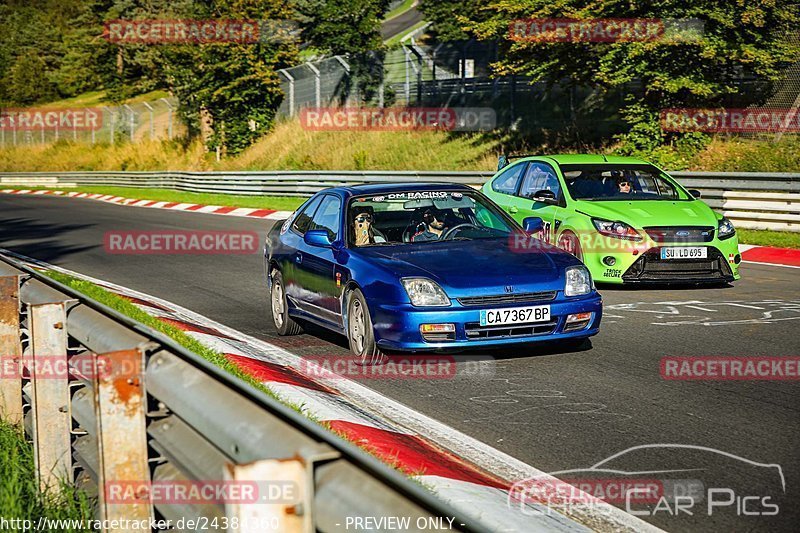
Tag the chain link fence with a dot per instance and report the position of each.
(134, 122)
(458, 74)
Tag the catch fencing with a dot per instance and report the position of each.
(134, 122)
(753, 200)
(149, 412)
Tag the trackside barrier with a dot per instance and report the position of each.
(754, 200)
(149, 411)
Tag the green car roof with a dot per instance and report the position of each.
(586, 159)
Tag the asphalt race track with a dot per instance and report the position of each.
(556, 411)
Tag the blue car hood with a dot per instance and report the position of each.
(477, 266)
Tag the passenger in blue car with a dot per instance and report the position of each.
(434, 226)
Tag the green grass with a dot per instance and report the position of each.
(402, 8)
(778, 239)
(95, 98)
(395, 40)
(20, 497)
(278, 203)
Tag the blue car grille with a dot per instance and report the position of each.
(522, 297)
(475, 331)
(678, 234)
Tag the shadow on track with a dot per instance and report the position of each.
(32, 238)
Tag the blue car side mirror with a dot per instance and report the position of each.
(532, 224)
(317, 237)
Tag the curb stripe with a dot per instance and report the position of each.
(265, 371)
(415, 455)
(775, 256)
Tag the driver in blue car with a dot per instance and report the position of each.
(434, 226)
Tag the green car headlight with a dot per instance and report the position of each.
(725, 229)
(616, 229)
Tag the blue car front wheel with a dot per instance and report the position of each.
(360, 333)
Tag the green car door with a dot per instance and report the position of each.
(533, 201)
(503, 189)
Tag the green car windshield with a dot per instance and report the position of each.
(604, 182)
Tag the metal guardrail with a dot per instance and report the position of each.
(755, 200)
(151, 412)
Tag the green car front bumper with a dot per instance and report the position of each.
(642, 263)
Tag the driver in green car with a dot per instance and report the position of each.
(434, 226)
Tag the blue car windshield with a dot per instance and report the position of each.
(608, 182)
(423, 217)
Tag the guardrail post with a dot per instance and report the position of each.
(51, 423)
(121, 436)
(281, 501)
(10, 351)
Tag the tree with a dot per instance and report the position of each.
(235, 85)
(351, 28)
(741, 39)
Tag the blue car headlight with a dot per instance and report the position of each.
(578, 281)
(725, 228)
(425, 293)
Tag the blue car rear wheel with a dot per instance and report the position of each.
(279, 308)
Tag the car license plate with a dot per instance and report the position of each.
(684, 252)
(515, 315)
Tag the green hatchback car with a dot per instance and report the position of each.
(625, 218)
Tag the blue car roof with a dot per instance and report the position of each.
(378, 188)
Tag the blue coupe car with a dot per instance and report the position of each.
(423, 267)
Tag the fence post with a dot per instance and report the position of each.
(291, 90)
(10, 351)
(169, 120)
(50, 393)
(317, 93)
(283, 496)
(408, 78)
(121, 436)
(132, 119)
(346, 67)
(152, 126)
(113, 123)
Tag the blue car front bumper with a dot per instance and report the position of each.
(397, 327)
